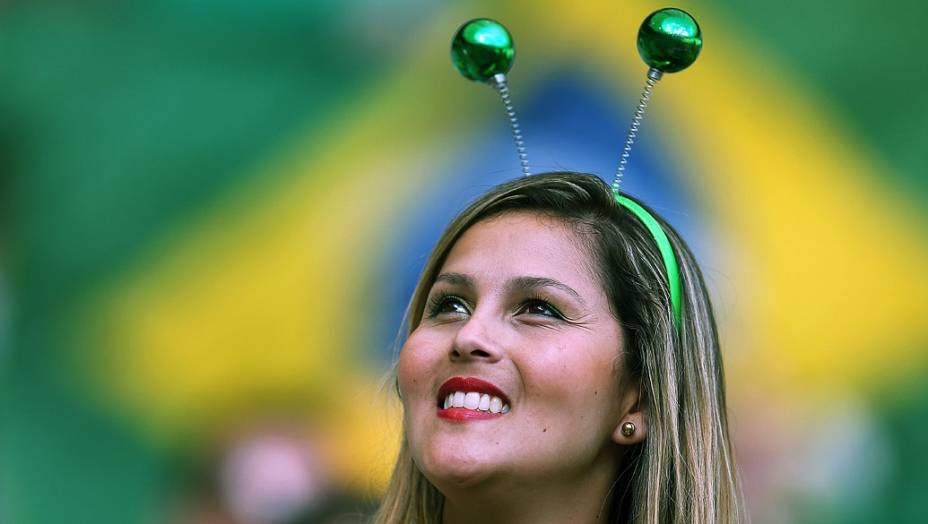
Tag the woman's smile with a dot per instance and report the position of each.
(470, 398)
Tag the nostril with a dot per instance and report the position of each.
(479, 353)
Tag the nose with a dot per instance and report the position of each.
(478, 339)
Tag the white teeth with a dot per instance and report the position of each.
(475, 401)
(471, 400)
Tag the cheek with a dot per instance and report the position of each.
(417, 365)
(408, 369)
(574, 377)
(416, 373)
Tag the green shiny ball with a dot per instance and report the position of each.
(481, 49)
(669, 40)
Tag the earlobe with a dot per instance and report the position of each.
(632, 427)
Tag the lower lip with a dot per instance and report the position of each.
(466, 414)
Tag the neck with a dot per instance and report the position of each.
(576, 500)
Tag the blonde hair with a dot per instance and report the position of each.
(685, 470)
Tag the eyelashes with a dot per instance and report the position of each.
(539, 306)
(448, 304)
(444, 303)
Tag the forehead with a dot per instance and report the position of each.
(523, 244)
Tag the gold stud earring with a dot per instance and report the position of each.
(628, 429)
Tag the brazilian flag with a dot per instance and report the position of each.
(213, 214)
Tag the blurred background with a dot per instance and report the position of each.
(212, 215)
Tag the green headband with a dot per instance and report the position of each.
(663, 244)
(669, 40)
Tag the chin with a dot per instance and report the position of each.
(450, 468)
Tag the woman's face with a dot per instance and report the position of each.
(519, 330)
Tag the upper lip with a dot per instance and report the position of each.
(468, 384)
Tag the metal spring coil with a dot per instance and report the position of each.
(503, 88)
(653, 77)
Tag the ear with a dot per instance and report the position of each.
(633, 409)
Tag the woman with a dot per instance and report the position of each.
(544, 379)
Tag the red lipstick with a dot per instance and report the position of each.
(469, 385)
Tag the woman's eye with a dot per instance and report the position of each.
(448, 305)
(540, 307)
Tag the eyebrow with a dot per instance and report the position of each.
(516, 284)
(531, 283)
(456, 279)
